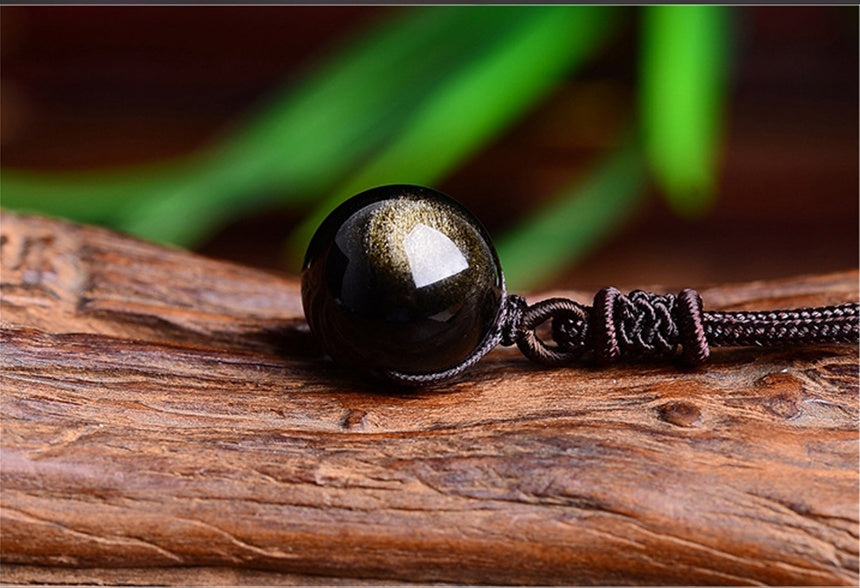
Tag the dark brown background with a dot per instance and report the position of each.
(89, 87)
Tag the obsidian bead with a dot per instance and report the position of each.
(401, 278)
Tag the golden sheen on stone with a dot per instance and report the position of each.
(401, 278)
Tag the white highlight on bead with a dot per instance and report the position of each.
(432, 256)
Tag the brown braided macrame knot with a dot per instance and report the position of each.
(640, 324)
(633, 326)
(691, 328)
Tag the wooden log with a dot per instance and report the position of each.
(167, 419)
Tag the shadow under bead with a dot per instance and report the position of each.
(401, 279)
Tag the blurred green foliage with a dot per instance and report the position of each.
(684, 62)
(409, 101)
(579, 217)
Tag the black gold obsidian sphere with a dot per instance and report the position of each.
(401, 279)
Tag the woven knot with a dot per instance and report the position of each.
(633, 326)
(640, 324)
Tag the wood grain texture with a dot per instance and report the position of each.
(166, 419)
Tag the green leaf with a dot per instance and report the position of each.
(87, 196)
(306, 141)
(466, 111)
(683, 91)
(579, 217)
(298, 145)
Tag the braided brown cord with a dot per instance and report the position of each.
(643, 324)
(691, 328)
(831, 324)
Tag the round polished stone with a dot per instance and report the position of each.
(401, 278)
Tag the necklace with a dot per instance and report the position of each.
(402, 282)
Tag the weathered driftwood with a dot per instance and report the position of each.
(166, 419)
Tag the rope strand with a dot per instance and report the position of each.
(643, 324)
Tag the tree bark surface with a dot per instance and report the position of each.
(167, 419)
